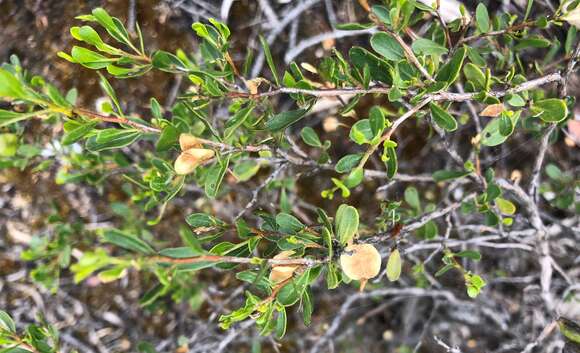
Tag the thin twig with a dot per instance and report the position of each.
(314, 40)
(409, 54)
(510, 29)
(256, 192)
(535, 182)
(543, 335)
(238, 260)
(447, 348)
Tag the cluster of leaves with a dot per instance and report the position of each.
(41, 337)
(415, 79)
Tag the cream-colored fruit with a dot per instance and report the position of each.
(187, 141)
(282, 273)
(190, 159)
(330, 124)
(573, 17)
(361, 261)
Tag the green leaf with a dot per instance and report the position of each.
(482, 18)
(145, 347)
(310, 137)
(237, 120)
(202, 119)
(8, 144)
(112, 25)
(202, 220)
(281, 321)
(470, 254)
(551, 110)
(442, 118)
(570, 39)
(282, 120)
(361, 132)
(89, 263)
(156, 109)
(391, 161)
(88, 35)
(327, 238)
(180, 253)
(355, 177)
(256, 278)
(89, 58)
(407, 9)
(10, 86)
(491, 134)
(6, 322)
(423, 46)
(346, 223)
(307, 308)
(516, 100)
(167, 62)
(288, 224)
(377, 120)
(533, 42)
(443, 175)
(167, 139)
(554, 172)
(245, 170)
(332, 276)
(382, 14)
(570, 329)
(201, 31)
(191, 240)
(475, 75)
(450, 72)
(126, 241)
(387, 46)
(77, 133)
(347, 163)
(221, 27)
(108, 89)
(56, 97)
(293, 291)
(412, 197)
(394, 265)
(344, 191)
(476, 57)
(505, 206)
(528, 9)
(112, 138)
(443, 270)
(112, 274)
(215, 177)
(380, 70)
(493, 191)
(474, 284)
(506, 127)
(269, 59)
(354, 26)
(122, 72)
(8, 117)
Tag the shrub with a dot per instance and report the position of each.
(419, 73)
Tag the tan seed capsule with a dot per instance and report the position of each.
(330, 124)
(190, 159)
(361, 261)
(187, 141)
(573, 17)
(282, 273)
(492, 110)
